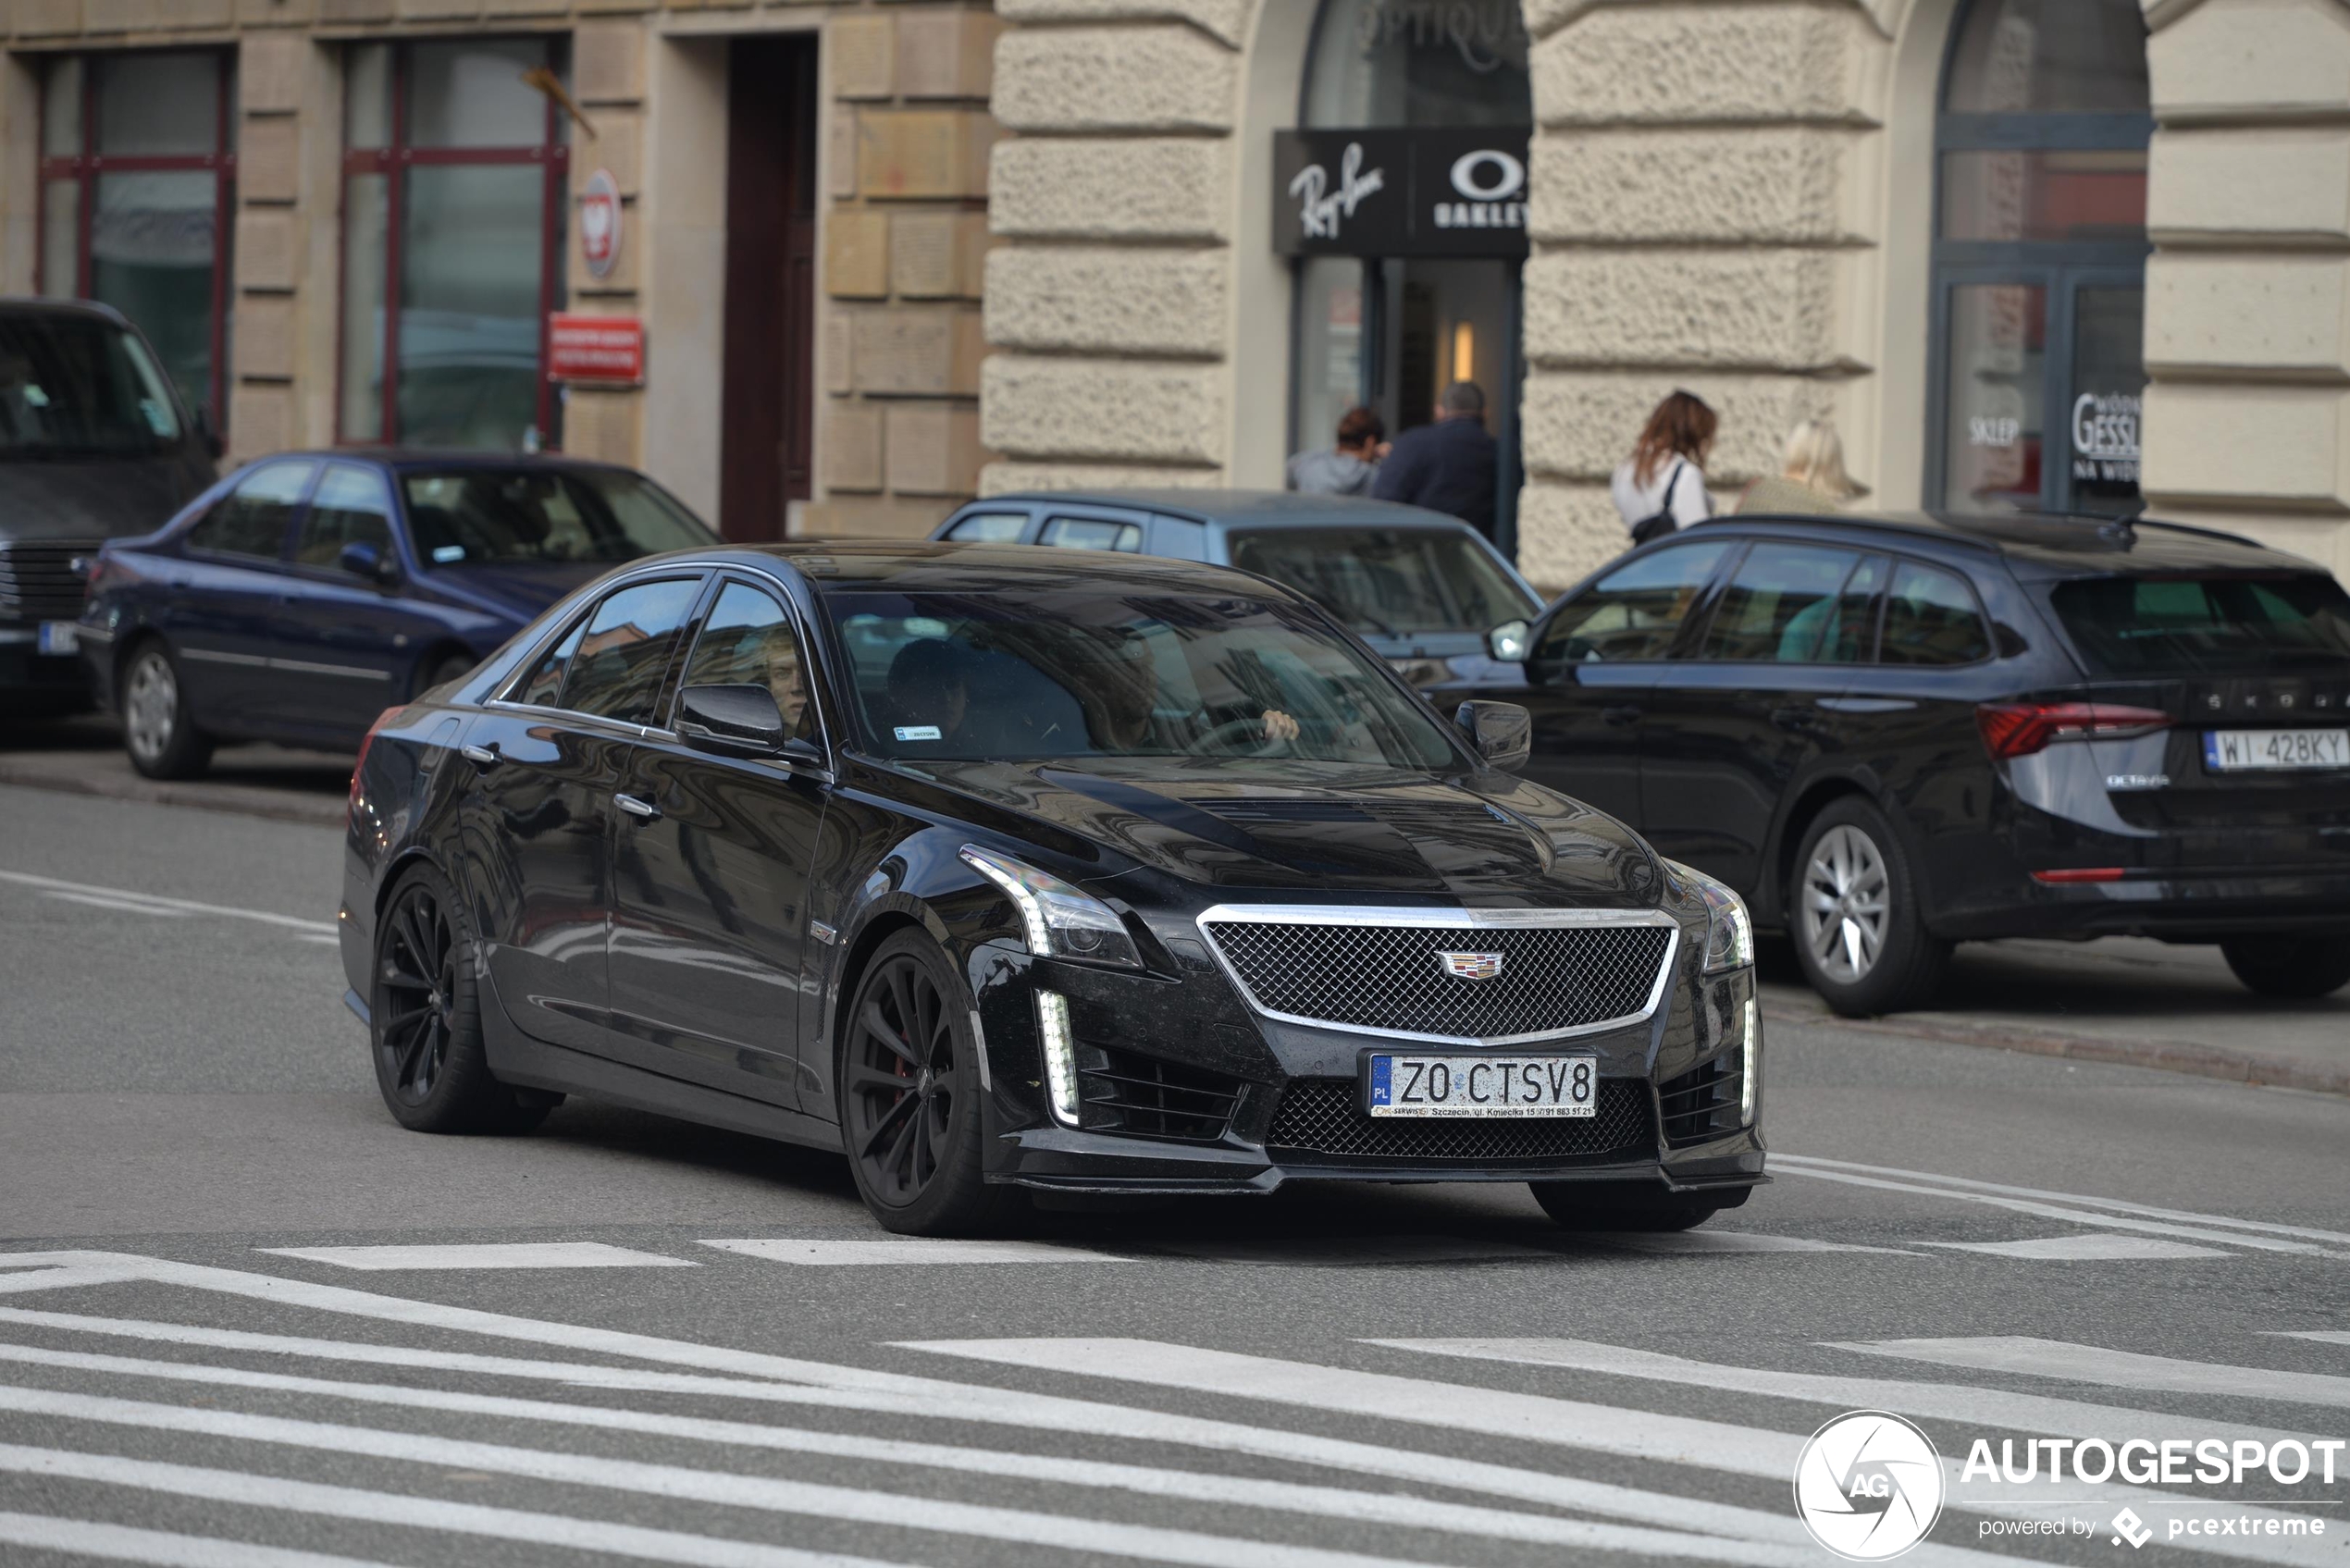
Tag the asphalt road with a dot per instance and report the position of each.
(246, 1320)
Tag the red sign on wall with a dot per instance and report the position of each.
(609, 349)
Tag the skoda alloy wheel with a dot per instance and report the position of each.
(1859, 932)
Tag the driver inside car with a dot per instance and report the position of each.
(1125, 700)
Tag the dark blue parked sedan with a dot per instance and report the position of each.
(305, 593)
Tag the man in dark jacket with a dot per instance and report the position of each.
(1447, 466)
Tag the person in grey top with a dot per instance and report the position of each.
(1348, 470)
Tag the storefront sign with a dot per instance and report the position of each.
(1400, 192)
(2105, 437)
(600, 224)
(597, 349)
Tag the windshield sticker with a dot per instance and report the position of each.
(443, 554)
(34, 396)
(159, 420)
(917, 732)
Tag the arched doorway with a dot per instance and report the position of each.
(1402, 200)
(2039, 258)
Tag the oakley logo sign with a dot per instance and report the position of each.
(1470, 965)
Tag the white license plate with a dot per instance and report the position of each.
(1481, 1086)
(2245, 751)
(57, 636)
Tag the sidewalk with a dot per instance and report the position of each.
(2120, 999)
(84, 756)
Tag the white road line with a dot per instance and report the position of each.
(125, 905)
(1568, 1423)
(910, 1250)
(2114, 1369)
(2094, 1247)
(2321, 1336)
(1388, 1507)
(1340, 1252)
(162, 905)
(897, 1394)
(122, 1543)
(62, 1278)
(1994, 1408)
(497, 1254)
(2089, 1218)
(418, 1512)
(1093, 1537)
(2145, 1211)
(1726, 1243)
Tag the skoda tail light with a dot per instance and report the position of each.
(2019, 729)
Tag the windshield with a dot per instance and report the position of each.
(1389, 582)
(470, 516)
(79, 385)
(2193, 626)
(970, 677)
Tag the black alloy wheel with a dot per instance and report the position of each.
(425, 1021)
(2297, 968)
(163, 741)
(909, 1096)
(1853, 910)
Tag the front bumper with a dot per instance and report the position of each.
(26, 672)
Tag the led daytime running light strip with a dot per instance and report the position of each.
(1032, 912)
(1060, 1056)
(1748, 1063)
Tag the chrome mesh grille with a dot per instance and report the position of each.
(1391, 979)
(37, 580)
(1322, 1115)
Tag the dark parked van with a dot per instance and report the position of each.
(94, 444)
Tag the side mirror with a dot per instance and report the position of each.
(363, 560)
(1501, 732)
(1509, 643)
(738, 721)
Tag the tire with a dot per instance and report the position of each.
(2297, 967)
(448, 667)
(910, 1114)
(163, 741)
(1853, 912)
(1605, 1206)
(425, 1020)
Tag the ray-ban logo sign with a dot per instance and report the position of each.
(1394, 192)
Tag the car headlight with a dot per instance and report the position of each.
(1730, 931)
(1059, 921)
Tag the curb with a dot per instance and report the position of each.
(2199, 1061)
(241, 799)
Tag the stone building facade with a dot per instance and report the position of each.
(1762, 201)
(812, 334)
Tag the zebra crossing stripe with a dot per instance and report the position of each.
(2115, 1369)
(863, 1251)
(2093, 1247)
(122, 1543)
(1385, 1508)
(1093, 1537)
(1996, 1408)
(417, 1512)
(494, 1254)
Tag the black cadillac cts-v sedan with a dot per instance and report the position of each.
(998, 869)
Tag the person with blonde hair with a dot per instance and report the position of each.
(1661, 488)
(1811, 477)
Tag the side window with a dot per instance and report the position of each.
(990, 528)
(625, 648)
(1778, 604)
(545, 682)
(353, 507)
(1092, 533)
(1851, 635)
(1930, 618)
(1631, 614)
(747, 641)
(251, 519)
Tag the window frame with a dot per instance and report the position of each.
(1975, 597)
(392, 161)
(719, 582)
(1690, 647)
(2062, 267)
(84, 169)
(519, 677)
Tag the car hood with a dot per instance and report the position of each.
(1309, 827)
(92, 499)
(518, 588)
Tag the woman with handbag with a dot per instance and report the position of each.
(1661, 488)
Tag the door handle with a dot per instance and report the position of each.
(643, 811)
(1623, 714)
(482, 757)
